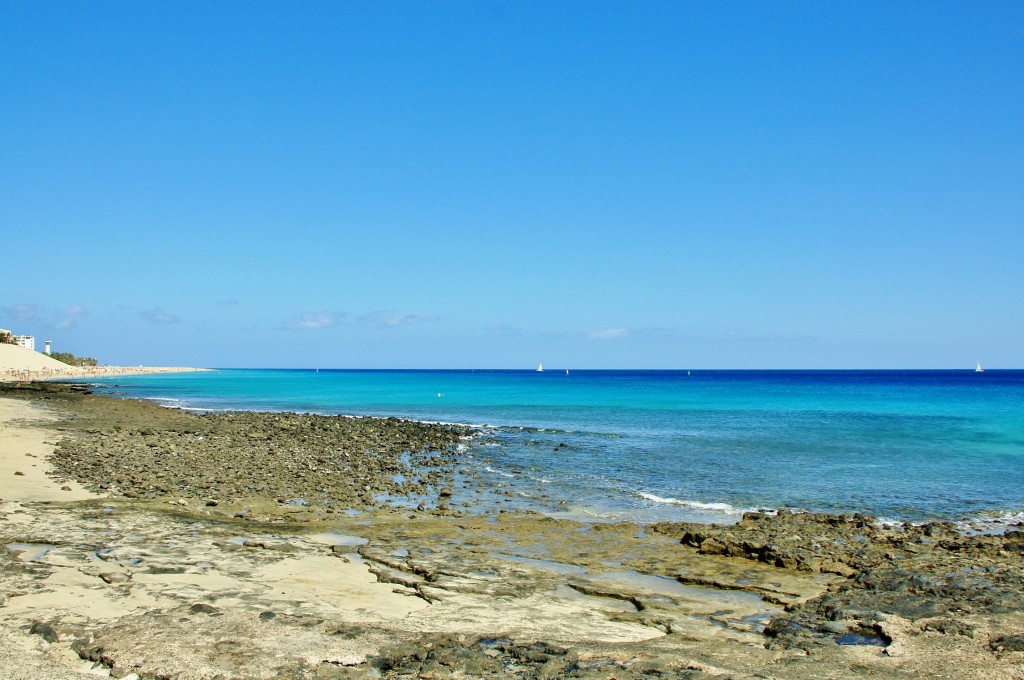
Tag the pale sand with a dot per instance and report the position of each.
(74, 591)
(24, 446)
(18, 363)
(123, 589)
(14, 358)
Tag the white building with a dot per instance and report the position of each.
(26, 341)
(47, 350)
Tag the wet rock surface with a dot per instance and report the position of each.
(200, 562)
(320, 461)
(932, 575)
(322, 464)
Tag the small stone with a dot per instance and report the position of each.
(1008, 643)
(45, 631)
(19, 473)
(267, 616)
(202, 608)
(115, 577)
(834, 627)
(157, 569)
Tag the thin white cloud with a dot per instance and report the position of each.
(651, 332)
(21, 312)
(69, 317)
(392, 319)
(311, 321)
(59, 319)
(609, 334)
(159, 315)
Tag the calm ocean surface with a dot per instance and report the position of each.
(655, 445)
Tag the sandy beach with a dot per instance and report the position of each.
(20, 364)
(144, 542)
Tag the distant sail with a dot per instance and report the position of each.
(540, 368)
(979, 369)
(567, 371)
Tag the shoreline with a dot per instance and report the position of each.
(14, 374)
(980, 522)
(710, 463)
(156, 585)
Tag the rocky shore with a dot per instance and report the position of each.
(273, 461)
(254, 545)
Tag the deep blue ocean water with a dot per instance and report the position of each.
(667, 445)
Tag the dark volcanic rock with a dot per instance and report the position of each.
(45, 631)
(314, 461)
(1008, 643)
(931, 574)
(445, 656)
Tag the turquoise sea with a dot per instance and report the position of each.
(671, 445)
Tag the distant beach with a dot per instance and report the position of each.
(80, 372)
(18, 363)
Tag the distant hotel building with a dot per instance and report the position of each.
(26, 341)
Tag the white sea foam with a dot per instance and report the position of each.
(994, 523)
(166, 402)
(718, 507)
(991, 523)
(498, 472)
(476, 426)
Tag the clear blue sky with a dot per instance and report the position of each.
(471, 184)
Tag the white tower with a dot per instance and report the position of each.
(47, 350)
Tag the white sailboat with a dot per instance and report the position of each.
(979, 369)
(540, 368)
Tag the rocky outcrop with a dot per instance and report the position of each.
(932, 575)
(322, 462)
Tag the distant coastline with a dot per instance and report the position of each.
(8, 374)
(18, 363)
